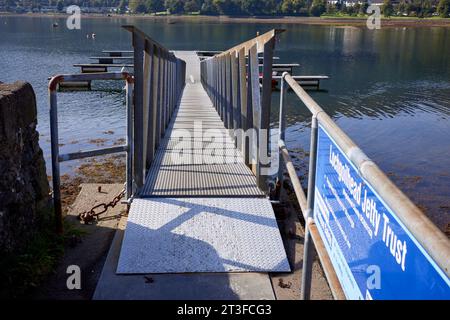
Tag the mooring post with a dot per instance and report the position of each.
(308, 245)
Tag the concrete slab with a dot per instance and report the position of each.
(193, 286)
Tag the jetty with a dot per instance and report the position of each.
(123, 59)
(203, 172)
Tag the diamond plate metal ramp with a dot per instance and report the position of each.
(180, 286)
(183, 235)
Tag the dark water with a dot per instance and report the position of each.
(389, 89)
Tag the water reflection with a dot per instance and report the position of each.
(389, 89)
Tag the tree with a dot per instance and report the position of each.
(292, 6)
(427, 8)
(318, 7)
(223, 6)
(331, 8)
(174, 6)
(122, 6)
(364, 6)
(192, 6)
(60, 5)
(208, 7)
(154, 5)
(443, 8)
(137, 6)
(9, 4)
(253, 6)
(388, 9)
(402, 7)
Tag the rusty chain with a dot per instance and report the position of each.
(90, 215)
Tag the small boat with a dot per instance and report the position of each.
(55, 24)
(93, 36)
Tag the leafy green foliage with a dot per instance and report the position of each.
(22, 271)
(443, 8)
(388, 9)
(318, 7)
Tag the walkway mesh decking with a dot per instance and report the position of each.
(204, 164)
(203, 217)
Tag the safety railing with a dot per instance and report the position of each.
(412, 226)
(152, 94)
(232, 81)
(159, 81)
(58, 158)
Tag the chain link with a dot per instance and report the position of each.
(97, 210)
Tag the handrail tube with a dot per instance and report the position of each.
(427, 234)
(91, 153)
(56, 157)
(260, 41)
(298, 189)
(434, 241)
(333, 281)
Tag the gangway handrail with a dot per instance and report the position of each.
(58, 158)
(152, 95)
(259, 41)
(433, 240)
(232, 81)
(159, 81)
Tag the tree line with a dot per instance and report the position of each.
(419, 8)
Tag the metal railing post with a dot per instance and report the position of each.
(138, 132)
(281, 130)
(129, 161)
(308, 244)
(55, 160)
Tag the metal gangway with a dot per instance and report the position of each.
(200, 179)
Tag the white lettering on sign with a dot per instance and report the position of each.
(395, 245)
(368, 206)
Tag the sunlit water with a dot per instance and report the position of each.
(389, 89)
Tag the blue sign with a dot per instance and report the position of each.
(374, 255)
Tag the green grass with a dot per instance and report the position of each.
(343, 16)
(20, 272)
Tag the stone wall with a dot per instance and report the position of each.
(24, 188)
